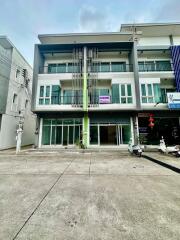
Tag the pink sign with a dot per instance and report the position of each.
(104, 99)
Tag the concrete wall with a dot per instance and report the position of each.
(5, 67)
(154, 41)
(10, 118)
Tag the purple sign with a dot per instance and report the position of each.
(104, 99)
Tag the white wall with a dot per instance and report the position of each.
(10, 118)
(176, 40)
(152, 41)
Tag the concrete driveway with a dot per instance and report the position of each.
(87, 196)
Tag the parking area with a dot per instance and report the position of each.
(87, 196)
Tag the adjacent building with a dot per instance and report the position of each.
(15, 96)
(102, 89)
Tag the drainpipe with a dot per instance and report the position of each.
(85, 101)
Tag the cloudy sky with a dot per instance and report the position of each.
(23, 20)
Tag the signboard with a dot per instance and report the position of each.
(143, 115)
(173, 100)
(104, 99)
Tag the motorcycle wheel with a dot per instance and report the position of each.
(139, 154)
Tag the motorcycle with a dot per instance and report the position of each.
(134, 149)
(174, 150)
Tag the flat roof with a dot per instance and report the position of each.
(73, 38)
(153, 29)
(68, 47)
(6, 43)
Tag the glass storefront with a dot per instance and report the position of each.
(111, 134)
(167, 127)
(61, 131)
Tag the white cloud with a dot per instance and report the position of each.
(93, 20)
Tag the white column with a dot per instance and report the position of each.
(40, 133)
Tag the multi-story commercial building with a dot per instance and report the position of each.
(15, 96)
(104, 88)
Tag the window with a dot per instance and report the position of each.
(18, 74)
(150, 93)
(52, 68)
(61, 68)
(26, 103)
(125, 93)
(105, 67)
(73, 68)
(150, 66)
(44, 95)
(104, 92)
(118, 67)
(146, 66)
(55, 94)
(115, 93)
(163, 66)
(164, 92)
(14, 102)
(121, 93)
(67, 96)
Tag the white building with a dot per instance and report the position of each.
(103, 88)
(15, 96)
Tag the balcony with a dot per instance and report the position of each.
(59, 68)
(103, 67)
(61, 100)
(155, 66)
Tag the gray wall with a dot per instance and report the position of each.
(133, 59)
(5, 69)
(38, 62)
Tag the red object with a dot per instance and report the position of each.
(151, 125)
(151, 121)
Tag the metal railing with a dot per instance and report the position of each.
(155, 67)
(63, 100)
(98, 68)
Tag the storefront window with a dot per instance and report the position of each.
(61, 131)
(46, 135)
(164, 126)
(94, 135)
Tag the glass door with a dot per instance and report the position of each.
(118, 134)
(59, 135)
(70, 134)
(65, 135)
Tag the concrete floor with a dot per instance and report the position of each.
(87, 196)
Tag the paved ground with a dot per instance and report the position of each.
(87, 196)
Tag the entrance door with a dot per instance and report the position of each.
(108, 135)
(59, 135)
(71, 128)
(65, 135)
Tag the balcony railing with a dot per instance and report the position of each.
(61, 100)
(78, 100)
(95, 68)
(155, 67)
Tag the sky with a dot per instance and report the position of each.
(22, 20)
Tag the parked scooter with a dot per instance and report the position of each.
(174, 150)
(134, 149)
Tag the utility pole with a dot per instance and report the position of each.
(19, 131)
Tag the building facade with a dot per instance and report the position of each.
(105, 88)
(15, 96)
